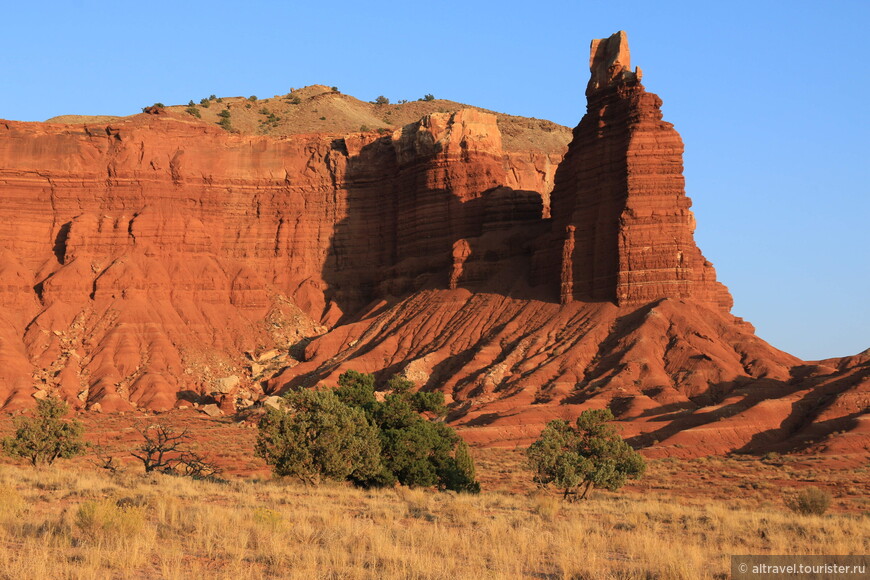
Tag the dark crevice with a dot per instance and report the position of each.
(60, 240)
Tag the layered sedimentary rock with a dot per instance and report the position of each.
(622, 227)
(633, 318)
(143, 258)
(684, 378)
(158, 261)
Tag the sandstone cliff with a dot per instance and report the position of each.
(158, 261)
(144, 257)
(622, 226)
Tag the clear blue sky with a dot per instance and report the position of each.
(771, 98)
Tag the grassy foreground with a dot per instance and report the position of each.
(66, 523)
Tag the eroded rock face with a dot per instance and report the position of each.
(156, 261)
(622, 227)
(142, 259)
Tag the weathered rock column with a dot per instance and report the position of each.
(620, 194)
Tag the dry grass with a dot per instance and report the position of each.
(63, 523)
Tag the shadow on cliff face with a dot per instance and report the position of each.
(409, 227)
(60, 240)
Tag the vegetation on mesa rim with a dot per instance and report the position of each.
(347, 434)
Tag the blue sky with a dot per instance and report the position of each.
(770, 98)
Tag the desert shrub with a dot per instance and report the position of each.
(270, 121)
(205, 103)
(12, 504)
(252, 98)
(161, 447)
(333, 89)
(45, 437)
(771, 456)
(415, 450)
(193, 111)
(164, 449)
(591, 454)
(364, 128)
(268, 518)
(225, 122)
(319, 437)
(809, 501)
(428, 97)
(357, 390)
(347, 434)
(102, 521)
(382, 100)
(545, 506)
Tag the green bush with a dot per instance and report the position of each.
(319, 437)
(193, 111)
(225, 122)
(416, 451)
(347, 434)
(428, 97)
(809, 501)
(205, 103)
(252, 98)
(382, 100)
(591, 454)
(45, 437)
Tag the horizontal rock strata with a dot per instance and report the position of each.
(158, 261)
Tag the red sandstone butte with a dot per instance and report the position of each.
(157, 260)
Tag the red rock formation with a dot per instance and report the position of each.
(621, 219)
(643, 327)
(143, 258)
(148, 260)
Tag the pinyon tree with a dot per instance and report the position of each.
(589, 454)
(316, 436)
(47, 436)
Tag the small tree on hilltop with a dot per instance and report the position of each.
(589, 454)
(46, 437)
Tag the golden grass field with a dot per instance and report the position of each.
(75, 521)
